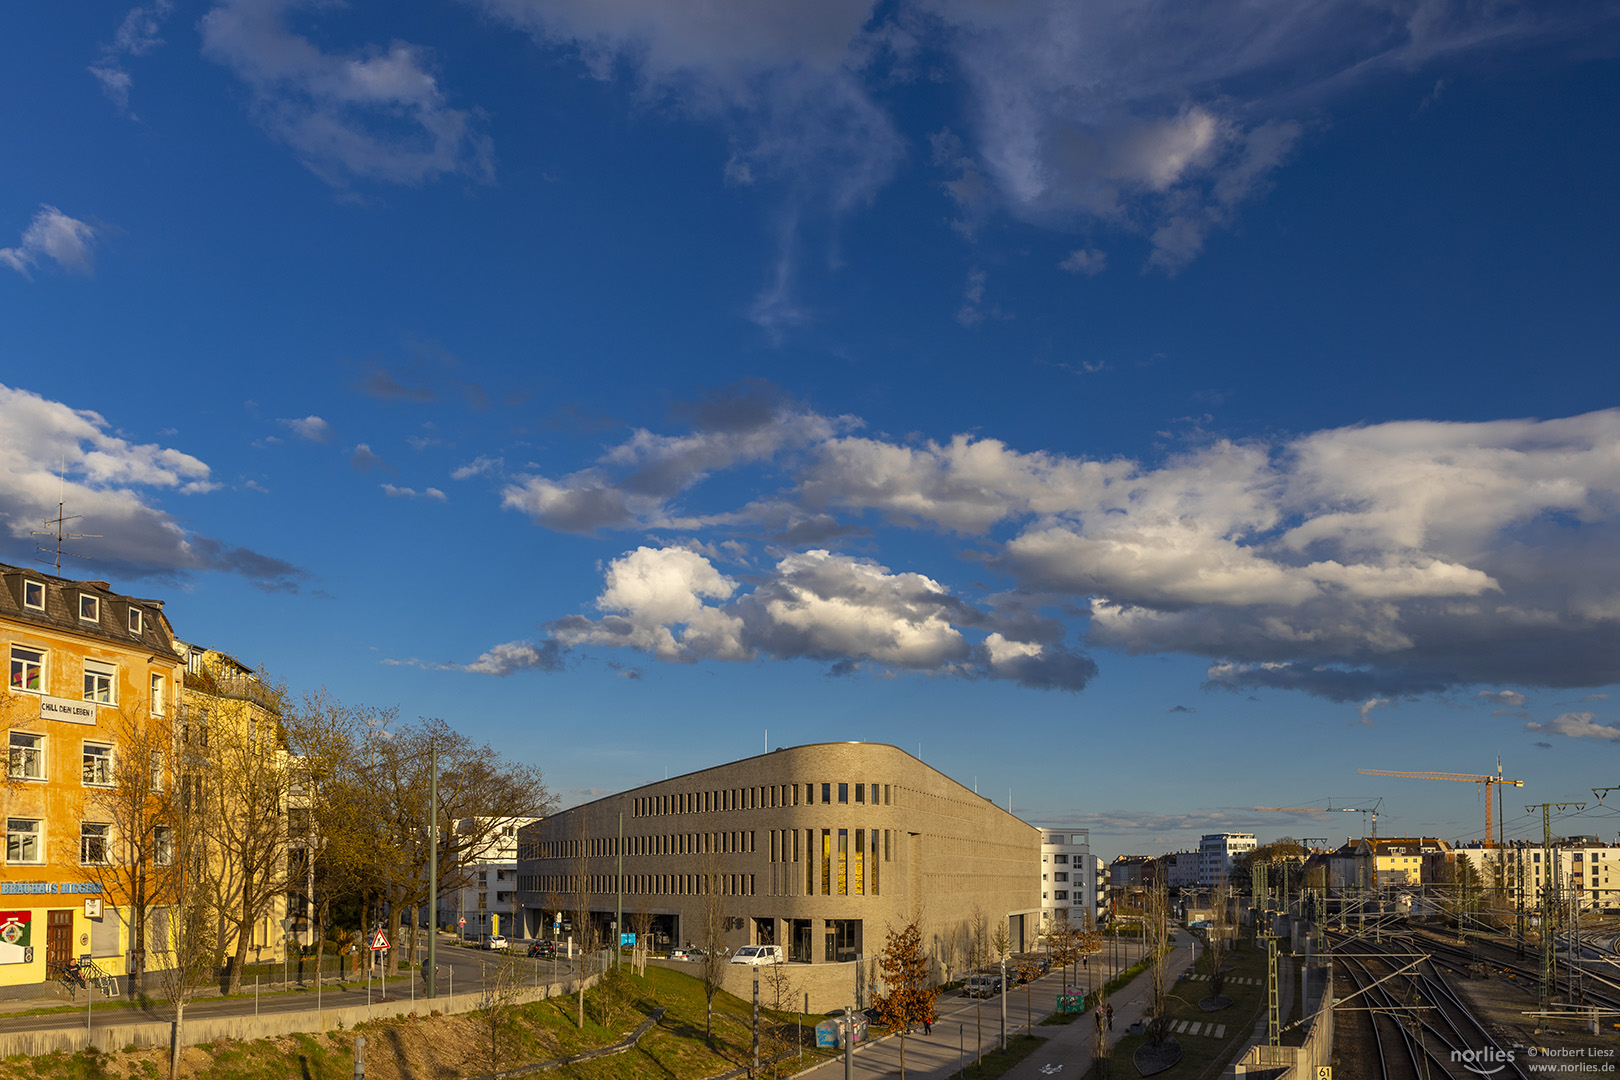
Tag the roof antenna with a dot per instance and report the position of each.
(59, 521)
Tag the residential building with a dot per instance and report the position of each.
(93, 673)
(1130, 872)
(1404, 860)
(1216, 852)
(1073, 886)
(228, 727)
(1582, 868)
(819, 848)
(1180, 868)
(484, 902)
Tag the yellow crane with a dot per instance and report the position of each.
(1467, 778)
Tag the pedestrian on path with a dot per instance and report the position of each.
(928, 1025)
(1110, 1016)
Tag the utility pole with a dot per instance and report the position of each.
(1549, 910)
(432, 973)
(618, 914)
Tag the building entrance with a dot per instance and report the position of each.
(58, 942)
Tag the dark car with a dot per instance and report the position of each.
(543, 949)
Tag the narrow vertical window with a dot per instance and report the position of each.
(826, 862)
(874, 851)
(885, 794)
(157, 695)
(860, 862)
(826, 794)
(860, 793)
(843, 862)
(843, 793)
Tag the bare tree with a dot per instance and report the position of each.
(1158, 929)
(497, 998)
(582, 906)
(713, 930)
(1215, 950)
(246, 797)
(641, 923)
(127, 845)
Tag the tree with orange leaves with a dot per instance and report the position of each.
(907, 999)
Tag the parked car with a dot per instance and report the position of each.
(688, 954)
(543, 949)
(496, 942)
(982, 986)
(756, 955)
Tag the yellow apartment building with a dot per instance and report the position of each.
(87, 668)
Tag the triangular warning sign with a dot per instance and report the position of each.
(379, 940)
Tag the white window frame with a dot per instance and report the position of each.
(159, 685)
(136, 623)
(12, 750)
(38, 833)
(106, 842)
(30, 585)
(88, 764)
(163, 845)
(89, 608)
(103, 693)
(39, 664)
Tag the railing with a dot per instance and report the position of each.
(81, 973)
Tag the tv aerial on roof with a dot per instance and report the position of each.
(60, 520)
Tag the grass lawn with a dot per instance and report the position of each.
(446, 1047)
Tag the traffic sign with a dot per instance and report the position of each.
(462, 921)
(379, 940)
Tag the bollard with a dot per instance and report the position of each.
(359, 1057)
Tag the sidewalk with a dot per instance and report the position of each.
(957, 1031)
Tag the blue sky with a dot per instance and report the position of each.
(1150, 413)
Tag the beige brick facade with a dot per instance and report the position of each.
(820, 849)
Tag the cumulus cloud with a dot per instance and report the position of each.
(515, 656)
(675, 605)
(50, 451)
(432, 493)
(364, 459)
(52, 234)
(1510, 698)
(309, 427)
(137, 35)
(1087, 261)
(375, 114)
(1576, 725)
(1376, 561)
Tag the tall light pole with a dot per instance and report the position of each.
(432, 974)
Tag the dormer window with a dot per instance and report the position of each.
(89, 608)
(34, 595)
(135, 620)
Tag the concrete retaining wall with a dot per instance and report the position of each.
(112, 1036)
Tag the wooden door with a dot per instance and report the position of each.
(58, 942)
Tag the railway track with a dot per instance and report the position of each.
(1419, 1027)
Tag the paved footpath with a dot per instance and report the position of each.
(956, 1032)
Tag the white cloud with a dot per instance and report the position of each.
(1366, 707)
(64, 240)
(1373, 561)
(137, 35)
(375, 114)
(1510, 698)
(1087, 261)
(476, 467)
(309, 427)
(432, 493)
(515, 656)
(1576, 725)
(364, 459)
(673, 604)
(50, 451)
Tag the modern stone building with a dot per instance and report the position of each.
(820, 849)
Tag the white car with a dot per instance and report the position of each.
(755, 955)
(496, 941)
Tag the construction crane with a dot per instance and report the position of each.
(1468, 778)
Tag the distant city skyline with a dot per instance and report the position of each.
(1157, 415)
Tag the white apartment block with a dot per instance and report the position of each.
(1582, 868)
(1216, 852)
(1072, 878)
(486, 901)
